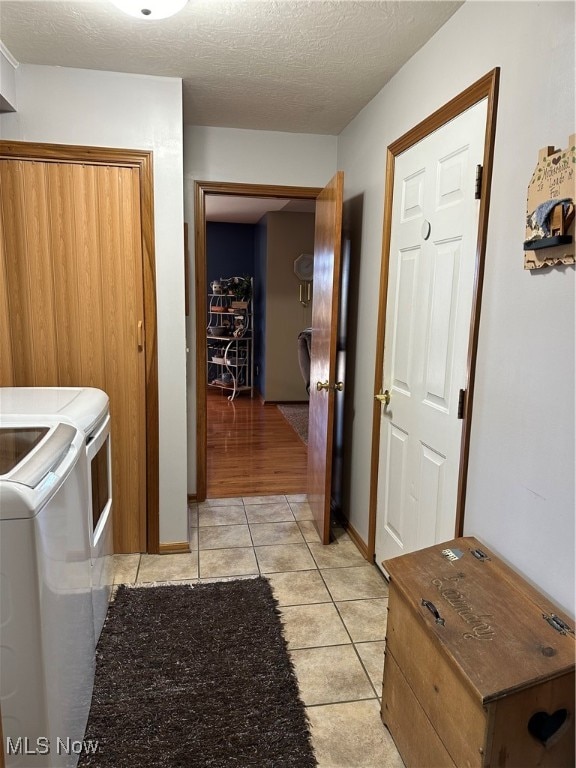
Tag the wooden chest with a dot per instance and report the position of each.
(479, 667)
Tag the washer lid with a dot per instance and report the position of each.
(83, 406)
(34, 461)
(16, 443)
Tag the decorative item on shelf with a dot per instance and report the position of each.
(230, 354)
(239, 327)
(241, 289)
(219, 330)
(550, 209)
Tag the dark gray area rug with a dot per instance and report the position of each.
(196, 676)
(296, 414)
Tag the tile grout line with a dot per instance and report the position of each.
(348, 633)
(356, 652)
(197, 513)
(333, 602)
(251, 539)
(138, 568)
(345, 701)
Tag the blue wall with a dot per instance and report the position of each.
(229, 250)
(235, 250)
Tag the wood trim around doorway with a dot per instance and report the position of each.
(486, 87)
(201, 189)
(142, 160)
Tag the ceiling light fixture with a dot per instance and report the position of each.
(150, 9)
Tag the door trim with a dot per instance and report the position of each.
(142, 160)
(486, 87)
(201, 189)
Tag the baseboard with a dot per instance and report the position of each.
(356, 538)
(192, 498)
(174, 547)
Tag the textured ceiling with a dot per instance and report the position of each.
(249, 210)
(304, 66)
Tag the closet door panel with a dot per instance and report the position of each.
(88, 247)
(73, 306)
(122, 310)
(6, 364)
(67, 283)
(36, 283)
(28, 267)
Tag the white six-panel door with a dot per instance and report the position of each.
(430, 292)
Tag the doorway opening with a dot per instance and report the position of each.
(246, 446)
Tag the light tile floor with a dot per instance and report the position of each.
(333, 605)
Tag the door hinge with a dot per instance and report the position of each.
(461, 403)
(478, 185)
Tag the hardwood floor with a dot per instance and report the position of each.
(252, 450)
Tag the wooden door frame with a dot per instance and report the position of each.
(486, 87)
(142, 160)
(201, 190)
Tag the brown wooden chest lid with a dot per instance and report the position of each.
(492, 623)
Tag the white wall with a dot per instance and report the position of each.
(520, 499)
(76, 106)
(244, 157)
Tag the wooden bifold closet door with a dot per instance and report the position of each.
(73, 306)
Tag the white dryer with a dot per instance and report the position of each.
(46, 617)
(88, 409)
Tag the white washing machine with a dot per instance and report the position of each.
(47, 655)
(88, 409)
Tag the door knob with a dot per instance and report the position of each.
(339, 386)
(320, 385)
(384, 398)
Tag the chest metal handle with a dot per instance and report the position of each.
(433, 610)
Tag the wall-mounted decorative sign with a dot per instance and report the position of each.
(550, 208)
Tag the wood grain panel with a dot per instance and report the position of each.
(142, 161)
(36, 289)
(135, 341)
(73, 241)
(66, 281)
(511, 717)
(454, 713)
(399, 707)
(6, 365)
(89, 251)
(325, 310)
(120, 262)
(29, 278)
(252, 450)
(146, 186)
